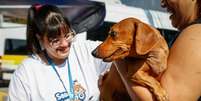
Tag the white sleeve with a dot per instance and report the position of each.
(101, 66)
(18, 90)
(83, 50)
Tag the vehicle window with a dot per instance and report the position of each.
(15, 47)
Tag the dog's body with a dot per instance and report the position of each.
(139, 54)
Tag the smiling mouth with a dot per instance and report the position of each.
(117, 52)
(108, 58)
(63, 50)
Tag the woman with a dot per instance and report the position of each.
(60, 68)
(182, 80)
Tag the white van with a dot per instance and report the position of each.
(12, 50)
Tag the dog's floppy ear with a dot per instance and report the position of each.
(146, 37)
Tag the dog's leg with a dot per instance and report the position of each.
(112, 88)
(144, 79)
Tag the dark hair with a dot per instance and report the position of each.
(44, 20)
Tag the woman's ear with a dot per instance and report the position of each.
(145, 39)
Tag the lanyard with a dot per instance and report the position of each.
(71, 93)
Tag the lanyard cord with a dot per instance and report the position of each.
(70, 81)
(71, 93)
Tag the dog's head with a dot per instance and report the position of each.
(129, 37)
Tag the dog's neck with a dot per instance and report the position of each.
(129, 65)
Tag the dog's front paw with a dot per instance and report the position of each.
(162, 95)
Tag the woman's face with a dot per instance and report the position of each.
(182, 12)
(58, 48)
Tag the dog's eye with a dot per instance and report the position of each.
(113, 33)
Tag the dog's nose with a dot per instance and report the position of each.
(94, 53)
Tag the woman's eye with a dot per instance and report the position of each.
(67, 36)
(54, 40)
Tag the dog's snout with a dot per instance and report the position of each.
(94, 53)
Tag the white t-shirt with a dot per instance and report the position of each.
(36, 81)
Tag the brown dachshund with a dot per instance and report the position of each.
(139, 54)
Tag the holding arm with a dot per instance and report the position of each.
(182, 78)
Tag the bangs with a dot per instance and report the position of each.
(55, 26)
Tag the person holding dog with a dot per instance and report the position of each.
(182, 79)
(60, 67)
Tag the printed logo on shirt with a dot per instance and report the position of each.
(79, 93)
